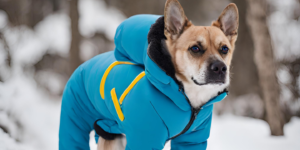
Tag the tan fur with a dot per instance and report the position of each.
(222, 32)
(116, 144)
(190, 37)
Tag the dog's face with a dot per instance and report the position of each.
(201, 54)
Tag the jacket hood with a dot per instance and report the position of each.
(131, 38)
(140, 39)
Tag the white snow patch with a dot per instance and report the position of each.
(284, 29)
(96, 16)
(236, 133)
(8, 143)
(53, 82)
(87, 50)
(93, 145)
(28, 46)
(54, 31)
(37, 114)
(25, 47)
(3, 19)
(284, 75)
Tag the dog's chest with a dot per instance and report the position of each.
(176, 120)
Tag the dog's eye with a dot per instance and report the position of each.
(195, 49)
(224, 49)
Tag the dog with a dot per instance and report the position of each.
(158, 84)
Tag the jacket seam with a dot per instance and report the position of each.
(161, 120)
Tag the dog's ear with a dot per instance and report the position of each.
(228, 21)
(175, 19)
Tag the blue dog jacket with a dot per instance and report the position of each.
(126, 92)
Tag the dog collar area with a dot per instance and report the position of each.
(216, 99)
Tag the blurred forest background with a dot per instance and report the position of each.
(43, 41)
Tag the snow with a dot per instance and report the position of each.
(236, 133)
(7, 143)
(55, 33)
(28, 46)
(87, 50)
(3, 19)
(229, 132)
(29, 115)
(96, 17)
(284, 29)
(36, 116)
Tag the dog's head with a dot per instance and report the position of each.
(201, 55)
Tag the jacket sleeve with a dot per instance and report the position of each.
(196, 140)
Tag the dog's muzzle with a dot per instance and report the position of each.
(216, 72)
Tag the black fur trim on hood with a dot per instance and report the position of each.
(158, 51)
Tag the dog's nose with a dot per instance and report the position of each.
(218, 67)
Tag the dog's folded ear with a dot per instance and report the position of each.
(175, 19)
(228, 21)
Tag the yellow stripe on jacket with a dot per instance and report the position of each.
(107, 72)
(137, 78)
(116, 103)
(114, 97)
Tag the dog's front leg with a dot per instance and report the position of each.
(117, 144)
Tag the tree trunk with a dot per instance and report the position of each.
(243, 58)
(76, 37)
(264, 59)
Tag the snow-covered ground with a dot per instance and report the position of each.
(230, 132)
(239, 133)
